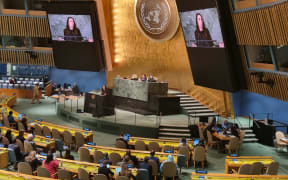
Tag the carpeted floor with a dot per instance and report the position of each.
(47, 111)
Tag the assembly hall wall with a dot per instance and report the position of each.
(133, 53)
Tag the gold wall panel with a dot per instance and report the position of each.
(24, 26)
(21, 57)
(279, 90)
(265, 26)
(134, 53)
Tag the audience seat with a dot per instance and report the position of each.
(27, 147)
(233, 145)
(56, 134)
(120, 144)
(155, 168)
(24, 168)
(98, 155)
(199, 155)
(245, 169)
(115, 158)
(154, 146)
(80, 140)
(185, 151)
(64, 175)
(37, 130)
(83, 174)
(68, 139)
(100, 177)
(43, 172)
(169, 170)
(273, 168)
(84, 154)
(140, 145)
(257, 168)
(46, 131)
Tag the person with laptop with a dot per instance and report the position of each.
(104, 169)
(183, 143)
(122, 138)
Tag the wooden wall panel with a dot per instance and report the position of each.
(136, 54)
(265, 26)
(24, 26)
(21, 57)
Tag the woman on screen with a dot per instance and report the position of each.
(71, 32)
(202, 34)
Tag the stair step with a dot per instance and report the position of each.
(249, 135)
(174, 138)
(182, 96)
(191, 104)
(187, 98)
(202, 114)
(174, 130)
(200, 111)
(173, 126)
(250, 140)
(194, 107)
(175, 134)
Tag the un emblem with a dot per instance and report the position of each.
(157, 19)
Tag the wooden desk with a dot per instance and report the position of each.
(9, 175)
(161, 142)
(8, 101)
(139, 154)
(43, 142)
(3, 158)
(222, 137)
(91, 168)
(20, 93)
(236, 162)
(284, 140)
(216, 176)
(88, 135)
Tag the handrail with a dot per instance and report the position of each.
(235, 11)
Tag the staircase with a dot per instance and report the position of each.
(173, 132)
(192, 107)
(250, 137)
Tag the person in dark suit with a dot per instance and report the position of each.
(147, 166)
(9, 136)
(105, 170)
(76, 89)
(152, 157)
(122, 139)
(10, 117)
(132, 158)
(21, 136)
(71, 32)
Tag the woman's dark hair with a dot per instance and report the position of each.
(67, 153)
(49, 158)
(24, 120)
(67, 23)
(234, 131)
(10, 112)
(197, 26)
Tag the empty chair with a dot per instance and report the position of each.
(115, 158)
(242, 136)
(83, 174)
(201, 130)
(185, 151)
(245, 169)
(120, 144)
(122, 178)
(56, 134)
(169, 149)
(20, 126)
(140, 145)
(154, 146)
(20, 144)
(210, 140)
(155, 168)
(84, 154)
(199, 155)
(98, 155)
(80, 140)
(257, 168)
(27, 147)
(68, 140)
(59, 145)
(43, 172)
(64, 175)
(169, 170)
(233, 145)
(37, 130)
(100, 177)
(273, 168)
(181, 161)
(46, 131)
(280, 135)
(24, 168)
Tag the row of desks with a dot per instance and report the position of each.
(216, 176)
(8, 101)
(88, 134)
(91, 168)
(46, 143)
(236, 162)
(9, 175)
(139, 154)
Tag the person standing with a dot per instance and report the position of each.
(36, 94)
